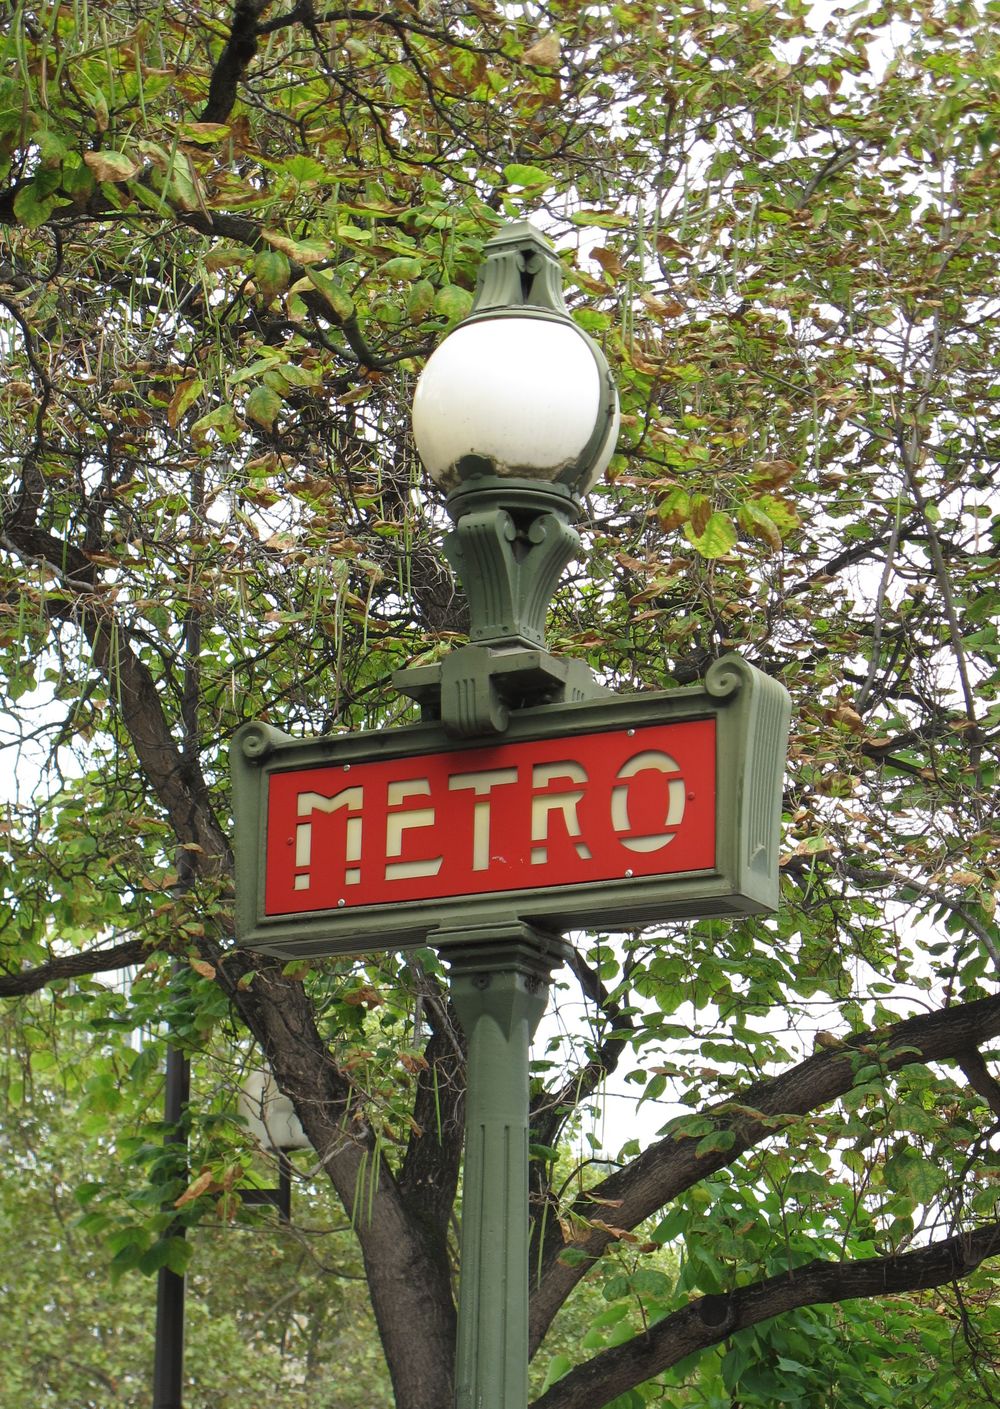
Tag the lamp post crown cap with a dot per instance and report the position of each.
(517, 232)
(520, 270)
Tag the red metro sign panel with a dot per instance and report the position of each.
(599, 806)
(606, 813)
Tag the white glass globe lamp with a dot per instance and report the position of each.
(517, 390)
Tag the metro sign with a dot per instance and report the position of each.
(606, 812)
(550, 812)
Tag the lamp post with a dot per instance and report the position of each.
(270, 1119)
(168, 1359)
(515, 416)
(529, 801)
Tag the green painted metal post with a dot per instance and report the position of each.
(499, 988)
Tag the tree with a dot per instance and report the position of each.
(274, 1311)
(231, 235)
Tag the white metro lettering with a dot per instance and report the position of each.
(482, 784)
(308, 803)
(560, 819)
(620, 820)
(543, 805)
(398, 823)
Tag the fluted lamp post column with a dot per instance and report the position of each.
(515, 417)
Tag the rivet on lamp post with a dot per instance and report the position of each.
(515, 417)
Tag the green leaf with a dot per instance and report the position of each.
(558, 1366)
(452, 303)
(352, 234)
(303, 252)
(337, 298)
(573, 1257)
(718, 538)
(793, 1367)
(271, 272)
(674, 508)
(283, 375)
(781, 512)
(111, 166)
(602, 219)
(615, 1287)
(531, 177)
(671, 1227)
(611, 1316)
(735, 1361)
(179, 1255)
(154, 1257)
(420, 300)
(222, 421)
(717, 1143)
(77, 180)
(262, 406)
(187, 393)
(31, 207)
(303, 169)
(180, 188)
(690, 1127)
(403, 267)
(650, 1282)
(760, 524)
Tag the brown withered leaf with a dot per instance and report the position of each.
(204, 1183)
(844, 714)
(770, 474)
(111, 166)
(369, 997)
(609, 261)
(643, 364)
(666, 244)
(623, 1235)
(544, 53)
(700, 513)
(573, 1231)
(588, 282)
(227, 1207)
(661, 308)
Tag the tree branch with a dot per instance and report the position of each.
(89, 961)
(671, 1165)
(708, 1320)
(429, 1173)
(549, 1111)
(302, 13)
(237, 56)
(980, 1078)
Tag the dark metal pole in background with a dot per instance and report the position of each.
(168, 1365)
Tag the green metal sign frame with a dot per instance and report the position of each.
(751, 713)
